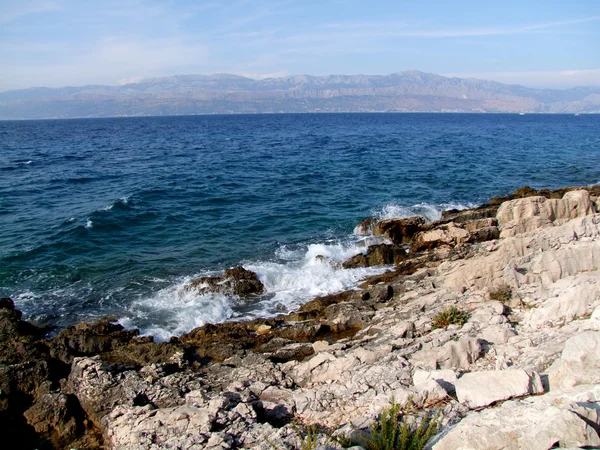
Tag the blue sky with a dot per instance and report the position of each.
(76, 42)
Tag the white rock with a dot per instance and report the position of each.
(477, 389)
(452, 355)
(497, 334)
(568, 298)
(527, 214)
(431, 392)
(579, 362)
(445, 375)
(533, 424)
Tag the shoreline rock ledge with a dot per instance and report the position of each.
(490, 316)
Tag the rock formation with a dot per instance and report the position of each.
(522, 372)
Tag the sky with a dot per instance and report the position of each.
(54, 43)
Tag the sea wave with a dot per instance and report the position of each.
(297, 276)
(430, 211)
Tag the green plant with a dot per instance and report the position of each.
(394, 432)
(308, 436)
(449, 316)
(501, 293)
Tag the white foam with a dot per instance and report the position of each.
(431, 212)
(123, 200)
(175, 310)
(89, 224)
(297, 277)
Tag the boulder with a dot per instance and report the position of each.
(478, 224)
(452, 355)
(530, 213)
(568, 298)
(537, 423)
(446, 378)
(90, 339)
(377, 255)
(236, 281)
(478, 389)
(365, 227)
(400, 231)
(448, 235)
(468, 215)
(484, 234)
(579, 362)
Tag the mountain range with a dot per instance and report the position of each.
(410, 91)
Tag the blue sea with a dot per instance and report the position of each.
(115, 216)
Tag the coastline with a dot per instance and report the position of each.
(340, 359)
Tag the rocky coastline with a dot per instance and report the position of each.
(520, 369)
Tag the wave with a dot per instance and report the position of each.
(297, 276)
(123, 201)
(430, 211)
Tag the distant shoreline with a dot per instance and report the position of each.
(303, 113)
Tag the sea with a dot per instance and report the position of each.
(116, 216)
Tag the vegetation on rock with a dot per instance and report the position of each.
(502, 294)
(450, 316)
(393, 430)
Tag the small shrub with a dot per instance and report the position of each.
(308, 439)
(502, 294)
(393, 432)
(450, 316)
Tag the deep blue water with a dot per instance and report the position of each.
(114, 216)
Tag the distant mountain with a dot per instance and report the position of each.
(225, 94)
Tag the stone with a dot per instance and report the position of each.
(568, 298)
(377, 255)
(469, 215)
(452, 355)
(400, 231)
(533, 424)
(446, 376)
(474, 225)
(263, 329)
(530, 213)
(478, 389)
(448, 235)
(484, 234)
(235, 281)
(497, 333)
(579, 362)
(365, 227)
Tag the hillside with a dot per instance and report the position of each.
(225, 94)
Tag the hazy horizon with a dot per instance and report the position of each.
(56, 43)
(258, 78)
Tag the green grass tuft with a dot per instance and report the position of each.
(393, 432)
(450, 316)
(501, 293)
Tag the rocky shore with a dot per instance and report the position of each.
(490, 316)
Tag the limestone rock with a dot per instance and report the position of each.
(568, 298)
(448, 235)
(377, 255)
(365, 227)
(534, 424)
(236, 281)
(469, 215)
(579, 362)
(477, 389)
(527, 214)
(452, 355)
(400, 231)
